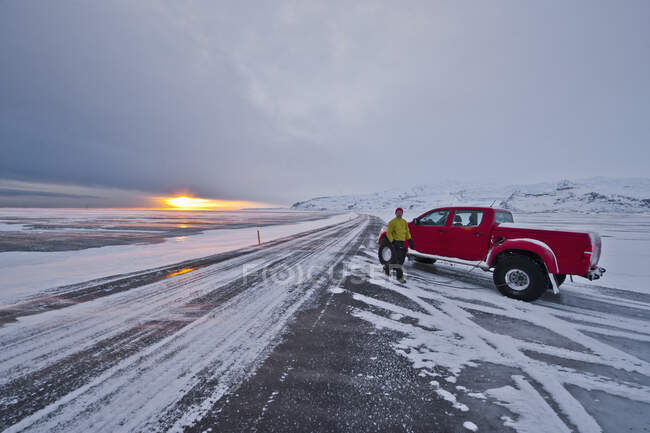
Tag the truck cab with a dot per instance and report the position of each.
(525, 261)
(455, 232)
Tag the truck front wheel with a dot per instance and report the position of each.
(519, 277)
(385, 252)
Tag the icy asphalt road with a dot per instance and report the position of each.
(305, 334)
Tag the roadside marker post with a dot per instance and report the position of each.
(258, 237)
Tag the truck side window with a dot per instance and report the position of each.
(436, 218)
(467, 218)
(502, 217)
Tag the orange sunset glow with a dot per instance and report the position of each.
(195, 203)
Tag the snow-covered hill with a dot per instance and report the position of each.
(593, 195)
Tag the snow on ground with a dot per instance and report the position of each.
(576, 356)
(578, 361)
(592, 195)
(156, 358)
(28, 273)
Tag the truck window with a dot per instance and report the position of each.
(502, 217)
(435, 218)
(467, 218)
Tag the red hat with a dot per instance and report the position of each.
(399, 209)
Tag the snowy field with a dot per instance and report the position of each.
(578, 361)
(179, 236)
(593, 195)
(156, 356)
(305, 333)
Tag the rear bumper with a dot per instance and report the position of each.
(595, 274)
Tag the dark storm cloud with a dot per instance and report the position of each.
(15, 193)
(280, 101)
(10, 193)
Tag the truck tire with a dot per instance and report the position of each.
(519, 277)
(385, 252)
(559, 279)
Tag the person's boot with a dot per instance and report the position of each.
(387, 270)
(400, 275)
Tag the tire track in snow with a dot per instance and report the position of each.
(448, 338)
(205, 391)
(159, 343)
(66, 296)
(28, 347)
(65, 374)
(23, 346)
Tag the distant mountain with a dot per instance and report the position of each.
(593, 195)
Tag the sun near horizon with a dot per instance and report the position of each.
(184, 202)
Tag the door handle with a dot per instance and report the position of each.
(440, 230)
(476, 234)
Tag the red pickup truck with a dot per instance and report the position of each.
(525, 261)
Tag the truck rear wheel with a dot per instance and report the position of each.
(519, 277)
(385, 252)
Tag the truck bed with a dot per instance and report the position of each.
(571, 244)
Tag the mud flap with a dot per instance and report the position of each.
(556, 289)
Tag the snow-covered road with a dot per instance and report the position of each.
(156, 357)
(305, 333)
(182, 236)
(580, 360)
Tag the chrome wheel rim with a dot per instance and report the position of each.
(517, 279)
(386, 254)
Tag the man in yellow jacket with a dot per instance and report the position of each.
(398, 233)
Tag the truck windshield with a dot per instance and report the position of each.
(503, 217)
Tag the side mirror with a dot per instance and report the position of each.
(415, 221)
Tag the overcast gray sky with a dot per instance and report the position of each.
(281, 101)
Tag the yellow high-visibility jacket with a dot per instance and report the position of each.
(398, 229)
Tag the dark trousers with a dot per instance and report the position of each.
(399, 254)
